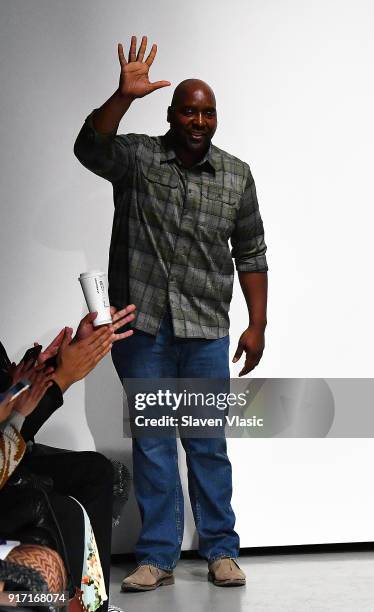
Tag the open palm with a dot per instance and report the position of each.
(134, 80)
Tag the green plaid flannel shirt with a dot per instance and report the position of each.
(171, 230)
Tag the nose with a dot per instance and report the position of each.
(199, 119)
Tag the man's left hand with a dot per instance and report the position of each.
(252, 341)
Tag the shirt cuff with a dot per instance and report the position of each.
(254, 264)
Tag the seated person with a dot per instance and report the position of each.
(86, 476)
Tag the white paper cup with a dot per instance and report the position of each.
(95, 290)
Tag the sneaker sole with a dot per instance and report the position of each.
(132, 587)
(226, 583)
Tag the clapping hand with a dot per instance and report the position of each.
(25, 369)
(21, 371)
(52, 349)
(28, 400)
(119, 319)
(75, 359)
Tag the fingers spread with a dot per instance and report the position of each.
(123, 321)
(159, 84)
(122, 313)
(121, 56)
(142, 49)
(124, 335)
(132, 52)
(151, 56)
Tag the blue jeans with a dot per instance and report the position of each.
(157, 482)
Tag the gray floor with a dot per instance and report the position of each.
(286, 583)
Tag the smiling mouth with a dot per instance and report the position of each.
(197, 135)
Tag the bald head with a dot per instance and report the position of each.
(188, 87)
(193, 120)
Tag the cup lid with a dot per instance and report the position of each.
(91, 273)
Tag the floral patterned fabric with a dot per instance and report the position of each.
(93, 586)
(12, 449)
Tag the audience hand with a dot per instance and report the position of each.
(20, 371)
(52, 348)
(26, 369)
(27, 401)
(119, 318)
(76, 359)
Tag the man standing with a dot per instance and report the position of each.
(178, 201)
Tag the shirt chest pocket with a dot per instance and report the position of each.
(158, 182)
(157, 190)
(219, 209)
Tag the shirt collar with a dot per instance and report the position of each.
(168, 154)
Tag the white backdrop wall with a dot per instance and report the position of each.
(295, 97)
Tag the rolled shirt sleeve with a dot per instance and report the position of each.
(247, 240)
(107, 155)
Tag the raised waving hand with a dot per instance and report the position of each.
(134, 79)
